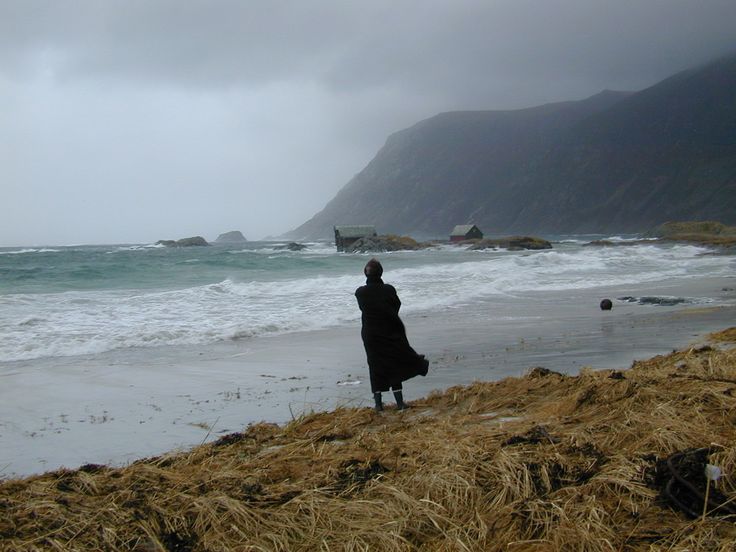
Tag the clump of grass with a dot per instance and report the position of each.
(542, 462)
(724, 336)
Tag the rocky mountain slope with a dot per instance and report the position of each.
(615, 162)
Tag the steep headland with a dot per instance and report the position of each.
(615, 162)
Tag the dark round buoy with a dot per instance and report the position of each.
(606, 304)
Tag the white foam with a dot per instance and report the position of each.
(280, 249)
(91, 322)
(24, 251)
(140, 247)
(435, 286)
(87, 322)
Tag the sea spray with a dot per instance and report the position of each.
(86, 300)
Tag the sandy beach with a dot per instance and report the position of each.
(638, 459)
(120, 406)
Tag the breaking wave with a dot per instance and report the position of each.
(314, 290)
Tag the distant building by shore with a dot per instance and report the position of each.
(463, 232)
(347, 235)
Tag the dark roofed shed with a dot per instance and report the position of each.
(466, 232)
(346, 235)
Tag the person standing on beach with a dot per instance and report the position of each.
(391, 360)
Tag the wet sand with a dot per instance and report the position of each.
(117, 407)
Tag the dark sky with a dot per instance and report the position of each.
(136, 120)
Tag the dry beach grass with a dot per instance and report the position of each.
(541, 462)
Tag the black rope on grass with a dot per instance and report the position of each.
(678, 486)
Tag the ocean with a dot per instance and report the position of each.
(109, 353)
(82, 300)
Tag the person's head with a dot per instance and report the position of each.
(373, 269)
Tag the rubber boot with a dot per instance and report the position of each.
(400, 404)
(379, 403)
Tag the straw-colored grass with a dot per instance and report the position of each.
(542, 462)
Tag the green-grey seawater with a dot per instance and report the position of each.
(62, 301)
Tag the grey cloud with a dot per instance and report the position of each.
(193, 42)
(140, 119)
(499, 54)
(446, 45)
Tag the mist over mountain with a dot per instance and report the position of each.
(614, 162)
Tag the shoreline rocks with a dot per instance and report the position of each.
(705, 232)
(194, 241)
(292, 246)
(382, 244)
(512, 243)
(609, 243)
(234, 236)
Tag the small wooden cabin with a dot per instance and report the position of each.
(464, 232)
(347, 235)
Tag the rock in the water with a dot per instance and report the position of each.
(674, 230)
(292, 246)
(710, 233)
(184, 242)
(513, 243)
(609, 243)
(234, 236)
(381, 244)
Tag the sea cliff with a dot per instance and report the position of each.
(614, 162)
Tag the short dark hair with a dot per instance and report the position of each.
(373, 268)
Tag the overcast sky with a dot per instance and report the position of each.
(135, 120)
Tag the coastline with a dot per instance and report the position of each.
(118, 407)
(607, 459)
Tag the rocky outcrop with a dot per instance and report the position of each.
(184, 242)
(234, 236)
(702, 227)
(381, 244)
(513, 243)
(706, 232)
(609, 243)
(292, 246)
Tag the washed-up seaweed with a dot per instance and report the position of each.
(543, 462)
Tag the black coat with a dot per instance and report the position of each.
(391, 360)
